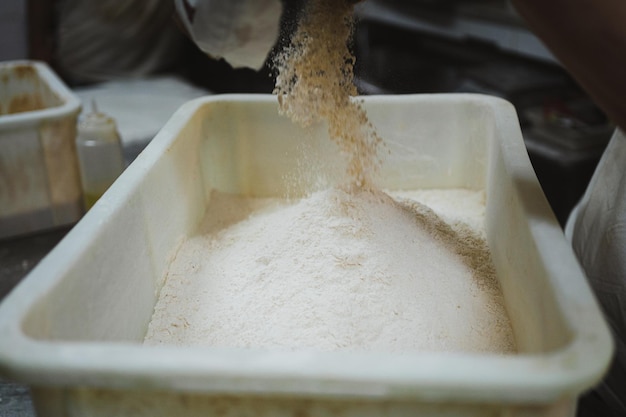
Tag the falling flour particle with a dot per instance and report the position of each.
(315, 84)
(338, 270)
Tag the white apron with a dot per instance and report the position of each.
(597, 231)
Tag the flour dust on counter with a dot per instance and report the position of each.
(337, 270)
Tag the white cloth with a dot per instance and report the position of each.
(141, 106)
(105, 40)
(242, 32)
(597, 231)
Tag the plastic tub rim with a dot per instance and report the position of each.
(71, 104)
(566, 372)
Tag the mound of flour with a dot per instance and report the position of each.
(336, 271)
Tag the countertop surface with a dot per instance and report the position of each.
(18, 256)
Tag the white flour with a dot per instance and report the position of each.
(336, 271)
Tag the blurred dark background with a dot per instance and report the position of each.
(402, 46)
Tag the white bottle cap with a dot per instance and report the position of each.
(97, 126)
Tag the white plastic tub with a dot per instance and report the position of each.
(73, 329)
(39, 178)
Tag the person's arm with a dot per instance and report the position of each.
(589, 39)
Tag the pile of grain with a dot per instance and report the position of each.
(354, 271)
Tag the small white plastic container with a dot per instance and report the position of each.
(73, 329)
(39, 177)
